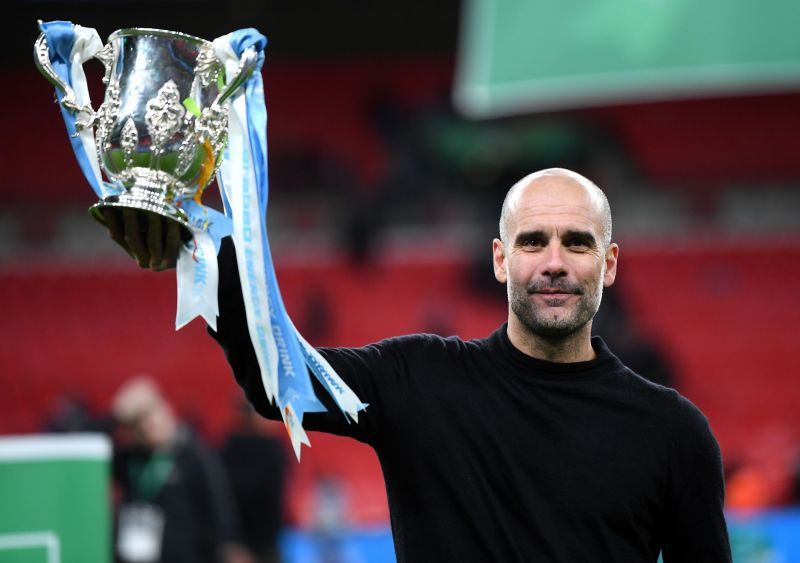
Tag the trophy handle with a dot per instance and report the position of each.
(41, 56)
(247, 63)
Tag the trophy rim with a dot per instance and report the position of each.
(153, 31)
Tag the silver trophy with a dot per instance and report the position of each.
(162, 127)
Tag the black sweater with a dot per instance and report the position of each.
(491, 455)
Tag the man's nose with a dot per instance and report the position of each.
(554, 265)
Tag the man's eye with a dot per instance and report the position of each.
(577, 245)
(531, 243)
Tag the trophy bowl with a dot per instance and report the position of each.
(162, 127)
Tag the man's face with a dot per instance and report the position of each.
(152, 427)
(554, 261)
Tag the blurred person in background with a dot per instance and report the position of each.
(72, 414)
(535, 443)
(175, 505)
(255, 461)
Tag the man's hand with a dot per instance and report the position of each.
(151, 239)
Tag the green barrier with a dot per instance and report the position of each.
(516, 57)
(54, 499)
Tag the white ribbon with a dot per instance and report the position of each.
(284, 357)
(87, 44)
(237, 170)
(198, 275)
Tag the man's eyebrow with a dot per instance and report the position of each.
(530, 235)
(584, 237)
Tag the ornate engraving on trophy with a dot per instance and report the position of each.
(186, 153)
(87, 118)
(212, 126)
(106, 117)
(106, 56)
(164, 116)
(208, 67)
(128, 141)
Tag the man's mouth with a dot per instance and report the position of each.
(553, 295)
(555, 292)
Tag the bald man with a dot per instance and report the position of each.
(535, 443)
(555, 256)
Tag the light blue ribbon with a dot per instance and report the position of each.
(202, 218)
(294, 384)
(60, 36)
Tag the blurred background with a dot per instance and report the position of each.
(395, 130)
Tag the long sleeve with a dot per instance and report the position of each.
(232, 334)
(373, 372)
(695, 528)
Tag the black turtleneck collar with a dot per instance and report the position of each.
(604, 363)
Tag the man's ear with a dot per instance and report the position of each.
(612, 253)
(499, 260)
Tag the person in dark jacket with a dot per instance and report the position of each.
(255, 462)
(175, 505)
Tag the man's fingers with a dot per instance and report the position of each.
(172, 245)
(115, 228)
(155, 241)
(134, 237)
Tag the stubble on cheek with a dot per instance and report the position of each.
(560, 317)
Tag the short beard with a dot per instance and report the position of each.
(553, 327)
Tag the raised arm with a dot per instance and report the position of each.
(376, 373)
